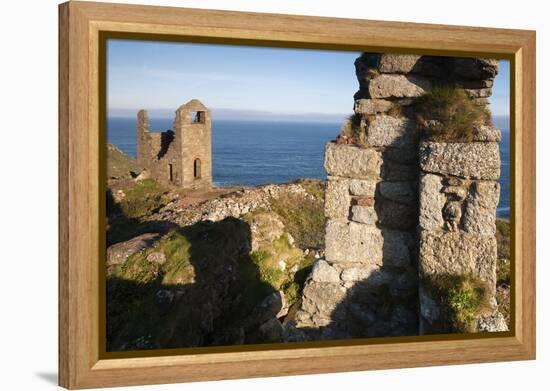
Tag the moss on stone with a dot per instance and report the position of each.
(461, 298)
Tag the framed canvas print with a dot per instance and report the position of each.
(247, 195)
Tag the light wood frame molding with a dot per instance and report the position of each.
(81, 362)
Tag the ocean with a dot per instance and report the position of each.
(258, 152)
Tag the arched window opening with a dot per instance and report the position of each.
(197, 169)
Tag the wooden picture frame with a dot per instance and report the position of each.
(81, 25)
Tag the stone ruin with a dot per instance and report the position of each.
(400, 209)
(181, 157)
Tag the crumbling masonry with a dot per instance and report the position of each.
(400, 209)
(180, 157)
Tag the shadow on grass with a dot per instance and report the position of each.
(205, 293)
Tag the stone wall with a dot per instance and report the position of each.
(459, 195)
(398, 208)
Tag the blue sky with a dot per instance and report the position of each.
(240, 81)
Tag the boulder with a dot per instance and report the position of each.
(466, 160)
(397, 86)
(267, 309)
(352, 161)
(118, 253)
(270, 331)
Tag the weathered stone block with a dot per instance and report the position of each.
(431, 202)
(393, 171)
(322, 298)
(403, 192)
(397, 63)
(358, 273)
(408, 155)
(475, 68)
(397, 247)
(322, 271)
(397, 86)
(360, 187)
(487, 133)
(364, 214)
(479, 93)
(480, 211)
(352, 162)
(353, 242)
(337, 198)
(361, 243)
(466, 160)
(371, 106)
(389, 131)
(459, 253)
(475, 84)
(363, 201)
(455, 193)
(395, 215)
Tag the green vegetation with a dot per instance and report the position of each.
(354, 130)
(503, 238)
(314, 187)
(195, 285)
(462, 299)
(143, 198)
(503, 268)
(206, 264)
(303, 218)
(503, 271)
(118, 163)
(448, 114)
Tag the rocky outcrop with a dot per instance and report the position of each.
(225, 271)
